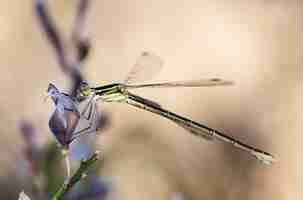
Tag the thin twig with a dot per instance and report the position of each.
(52, 34)
(78, 175)
(79, 33)
(80, 41)
(70, 67)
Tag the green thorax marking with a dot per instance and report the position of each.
(111, 92)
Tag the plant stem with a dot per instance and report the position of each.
(76, 177)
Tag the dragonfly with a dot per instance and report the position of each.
(150, 64)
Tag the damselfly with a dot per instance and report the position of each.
(150, 64)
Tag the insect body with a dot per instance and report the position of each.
(120, 92)
(198, 129)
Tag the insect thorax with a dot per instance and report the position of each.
(111, 93)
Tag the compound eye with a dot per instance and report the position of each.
(83, 92)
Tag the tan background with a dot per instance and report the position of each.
(258, 44)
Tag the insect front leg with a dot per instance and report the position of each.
(88, 107)
(91, 119)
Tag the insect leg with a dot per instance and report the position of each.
(93, 114)
(88, 107)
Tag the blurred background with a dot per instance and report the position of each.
(257, 44)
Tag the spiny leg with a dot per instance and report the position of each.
(93, 113)
(88, 107)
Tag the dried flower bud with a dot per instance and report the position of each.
(65, 118)
(103, 121)
(27, 130)
(31, 150)
(83, 48)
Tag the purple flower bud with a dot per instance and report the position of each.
(65, 118)
(27, 130)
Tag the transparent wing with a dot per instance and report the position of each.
(147, 66)
(189, 83)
